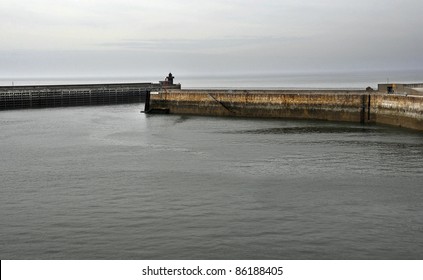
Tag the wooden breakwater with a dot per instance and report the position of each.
(20, 97)
(334, 105)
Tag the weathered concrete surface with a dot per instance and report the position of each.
(328, 105)
(398, 110)
(333, 105)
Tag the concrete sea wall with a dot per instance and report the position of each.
(398, 110)
(332, 105)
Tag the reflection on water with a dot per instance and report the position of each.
(111, 183)
(309, 130)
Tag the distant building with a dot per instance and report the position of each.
(168, 82)
(401, 88)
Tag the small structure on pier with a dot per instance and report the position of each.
(168, 82)
(170, 78)
(393, 88)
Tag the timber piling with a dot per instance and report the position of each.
(42, 96)
(21, 97)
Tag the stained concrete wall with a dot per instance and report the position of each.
(333, 105)
(398, 110)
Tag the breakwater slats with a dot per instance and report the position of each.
(73, 95)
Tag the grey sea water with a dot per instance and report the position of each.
(359, 79)
(112, 183)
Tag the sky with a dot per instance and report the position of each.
(139, 37)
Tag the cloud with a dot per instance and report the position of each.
(206, 34)
(216, 45)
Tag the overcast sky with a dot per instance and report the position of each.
(139, 37)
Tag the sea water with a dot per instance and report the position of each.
(325, 79)
(112, 183)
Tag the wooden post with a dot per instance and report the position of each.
(363, 109)
(368, 108)
(147, 101)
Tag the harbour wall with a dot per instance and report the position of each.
(21, 97)
(398, 110)
(332, 105)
